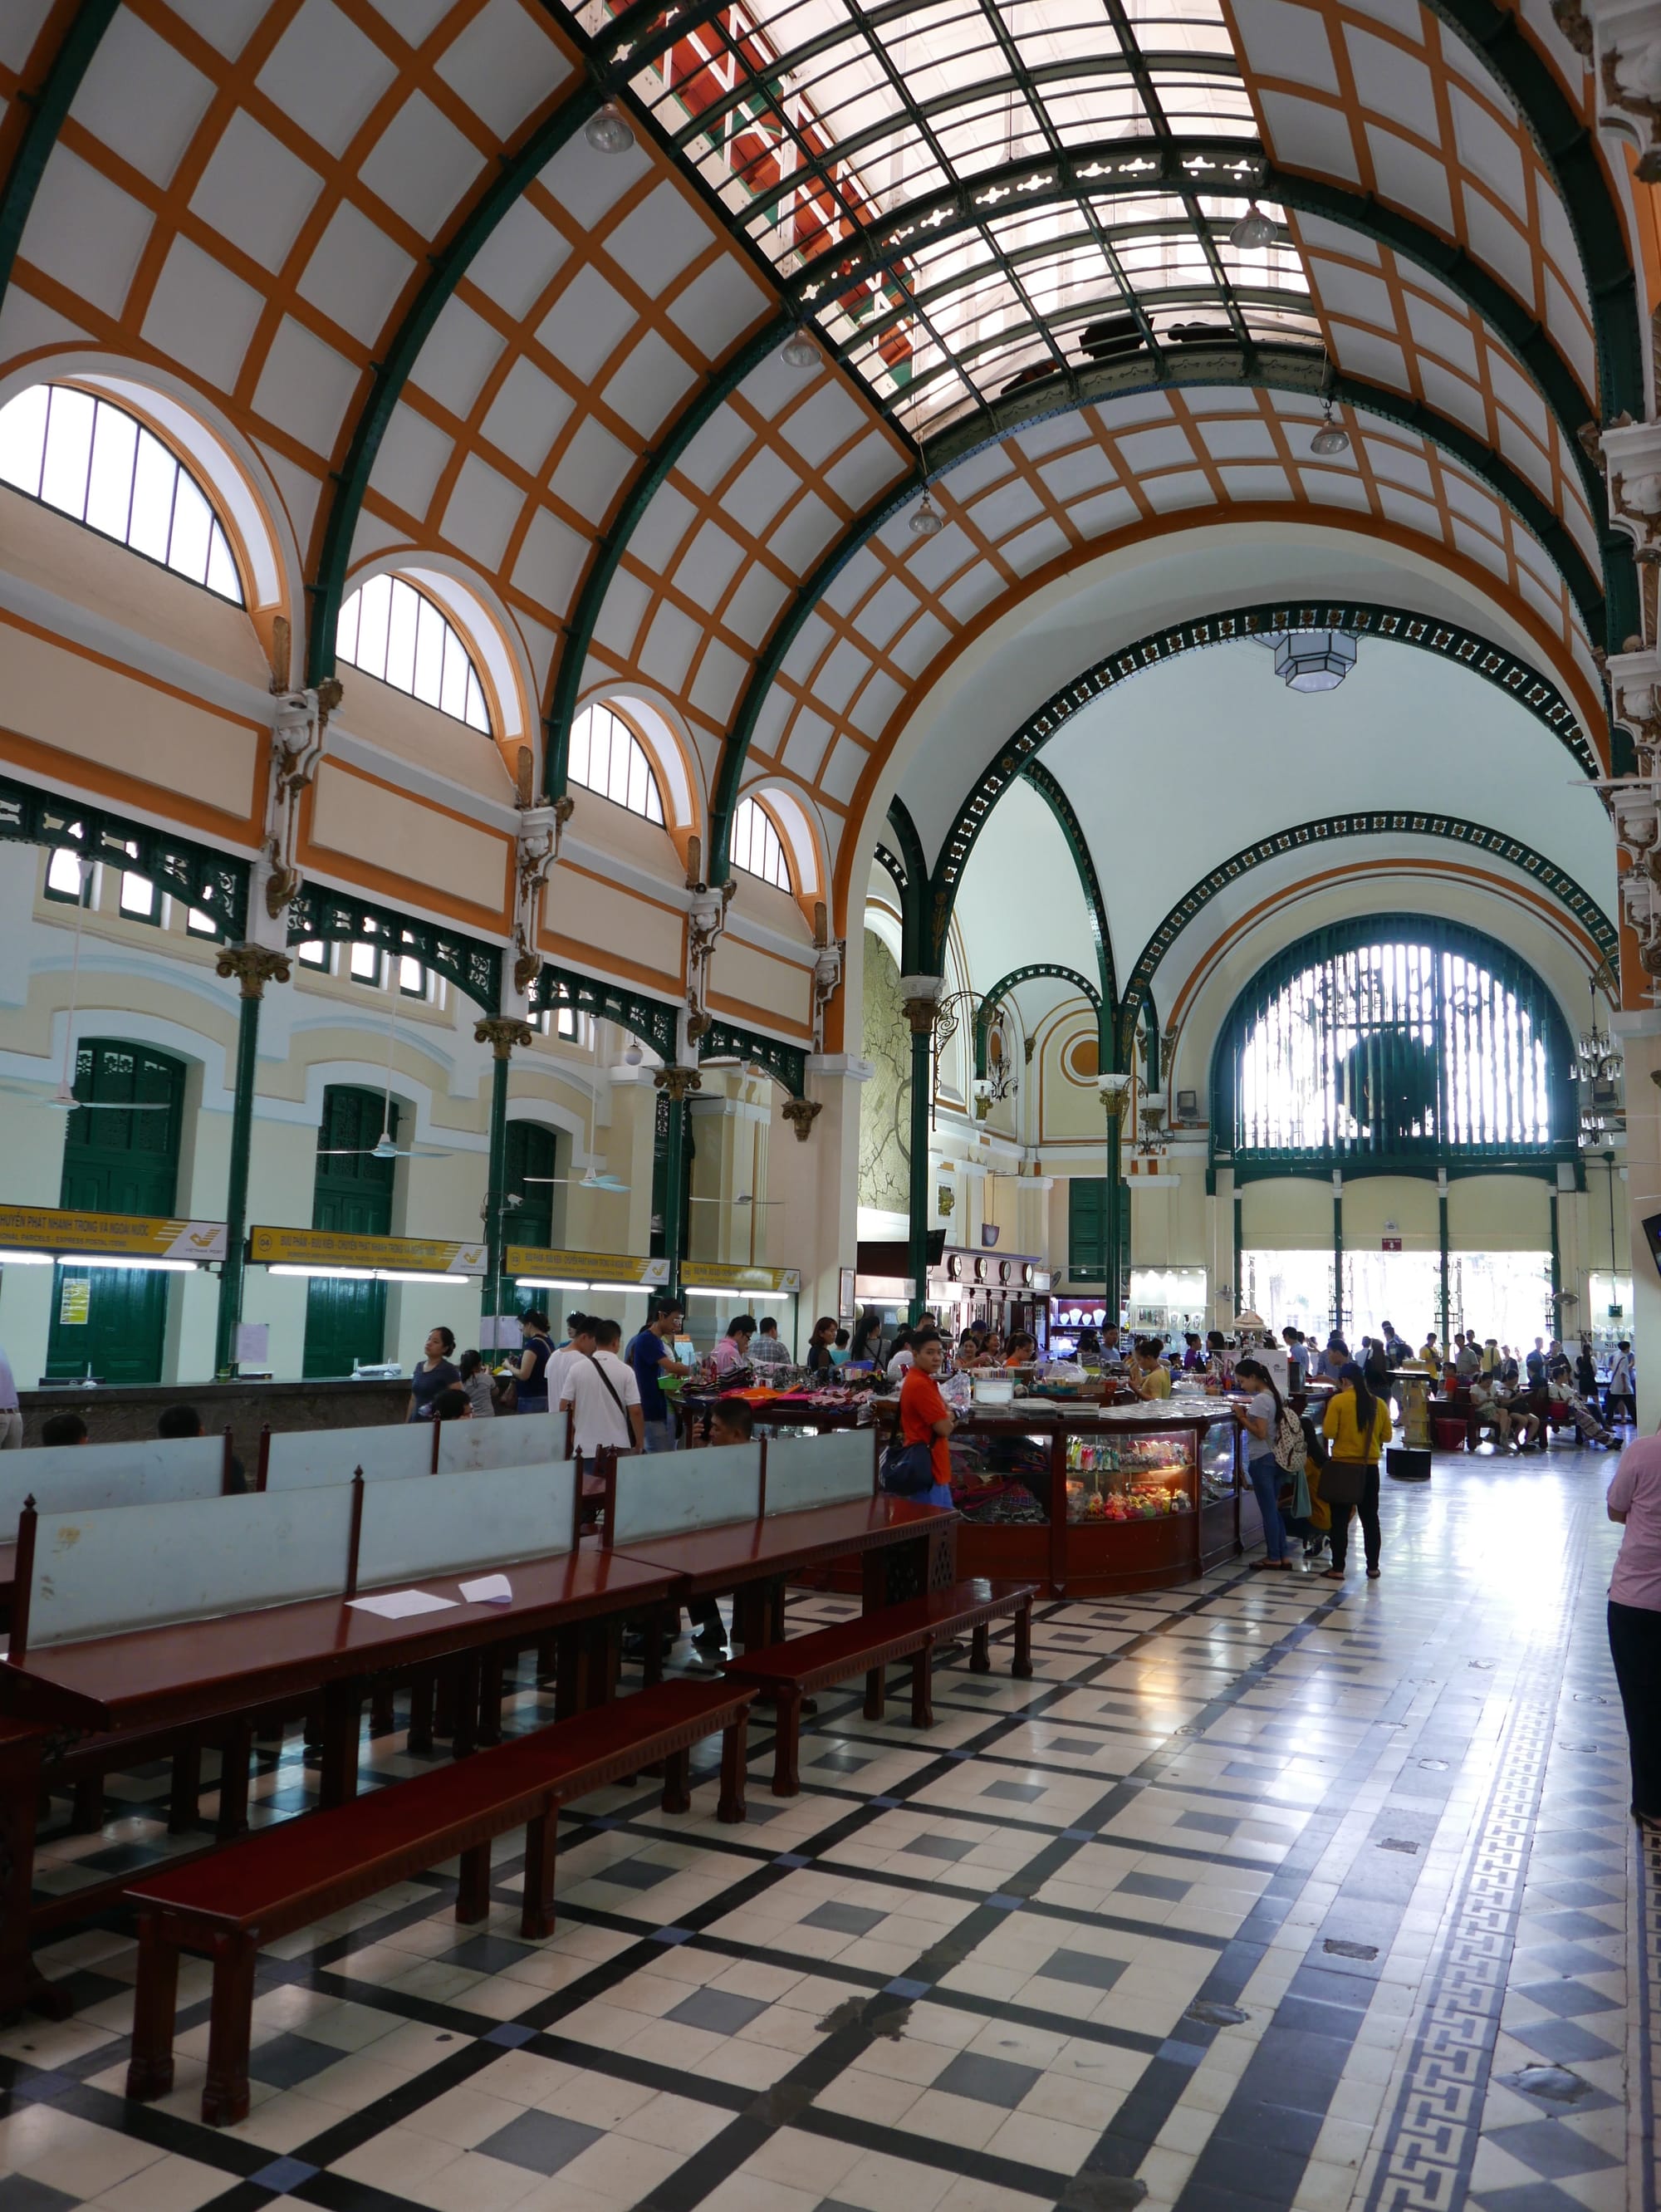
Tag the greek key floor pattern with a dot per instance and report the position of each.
(1266, 1893)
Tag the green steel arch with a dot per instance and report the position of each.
(1475, 836)
(1078, 845)
(910, 874)
(1001, 990)
(50, 103)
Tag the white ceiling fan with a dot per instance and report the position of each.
(595, 1179)
(745, 1200)
(63, 1100)
(383, 1148)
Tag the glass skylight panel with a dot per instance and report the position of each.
(394, 633)
(101, 466)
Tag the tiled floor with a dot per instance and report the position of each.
(1262, 1894)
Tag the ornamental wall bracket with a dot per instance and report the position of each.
(503, 1033)
(707, 918)
(800, 1114)
(676, 1082)
(253, 966)
(300, 730)
(536, 850)
(827, 967)
(1629, 85)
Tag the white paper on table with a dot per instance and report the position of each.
(398, 1605)
(488, 1589)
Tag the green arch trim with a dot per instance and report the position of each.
(910, 871)
(1088, 882)
(1001, 990)
(1498, 666)
(1475, 836)
(1299, 370)
(51, 104)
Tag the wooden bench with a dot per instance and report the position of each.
(788, 1672)
(287, 1877)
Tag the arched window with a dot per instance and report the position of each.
(605, 755)
(99, 464)
(394, 633)
(756, 847)
(1393, 1038)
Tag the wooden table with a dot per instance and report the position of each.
(895, 1538)
(198, 1671)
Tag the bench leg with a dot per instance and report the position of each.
(540, 1846)
(1021, 1665)
(464, 1741)
(981, 1656)
(876, 1692)
(186, 1788)
(922, 1687)
(735, 1744)
(382, 1718)
(337, 1776)
(235, 1749)
(150, 2069)
(787, 1743)
(225, 2092)
(473, 1887)
(677, 1782)
(418, 1742)
(87, 1810)
(490, 1698)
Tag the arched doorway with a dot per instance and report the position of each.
(345, 1320)
(120, 1156)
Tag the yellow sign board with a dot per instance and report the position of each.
(627, 1269)
(334, 1247)
(122, 1236)
(716, 1275)
(74, 1301)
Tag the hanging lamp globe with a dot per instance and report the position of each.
(1332, 437)
(1253, 231)
(607, 130)
(928, 522)
(799, 351)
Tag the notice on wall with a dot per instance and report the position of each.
(253, 1343)
(501, 1333)
(74, 1301)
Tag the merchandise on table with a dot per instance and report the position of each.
(1128, 1478)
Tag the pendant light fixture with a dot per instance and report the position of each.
(928, 522)
(1332, 437)
(607, 130)
(1253, 231)
(799, 351)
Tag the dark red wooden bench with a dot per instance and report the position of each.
(786, 1673)
(284, 1878)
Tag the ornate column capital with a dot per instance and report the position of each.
(920, 996)
(1115, 1093)
(253, 966)
(800, 1114)
(676, 1081)
(502, 1032)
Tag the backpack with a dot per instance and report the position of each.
(1290, 1452)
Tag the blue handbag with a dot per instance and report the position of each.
(907, 1470)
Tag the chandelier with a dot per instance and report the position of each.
(1311, 659)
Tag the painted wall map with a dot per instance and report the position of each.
(885, 1101)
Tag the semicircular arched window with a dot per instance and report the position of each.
(757, 847)
(100, 466)
(605, 755)
(392, 632)
(1394, 1038)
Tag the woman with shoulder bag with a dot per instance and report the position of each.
(919, 1463)
(1262, 1420)
(1357, 1426)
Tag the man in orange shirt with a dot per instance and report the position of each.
(924, 1418)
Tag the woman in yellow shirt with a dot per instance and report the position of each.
(1357, 1427)
(1149, 1376)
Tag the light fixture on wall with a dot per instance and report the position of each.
(928, 522)
(1332, 437)
(632, 1055)
(1251, 232)
(607, 130)
(799, 351)
(1311, 659)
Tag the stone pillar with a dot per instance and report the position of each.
(253, 966)
(921, 998)
(501, 1032)
(1640, 1033)
(815, 1224)
(1337, 1250)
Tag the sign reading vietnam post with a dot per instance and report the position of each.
(716, 1275)
(121, 1235)
(335, 1248)
(622, 1269)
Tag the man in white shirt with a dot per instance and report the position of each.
(580, 1342)
(11, 1418)
(603, 1396)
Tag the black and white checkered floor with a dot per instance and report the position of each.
(1266, 1893)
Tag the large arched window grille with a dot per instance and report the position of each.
(1393, 1039)
(396, 635)
(605, 755)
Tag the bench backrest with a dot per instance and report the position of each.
(446, 1524)
(833, 1469)
(672, 1493)
(502, 1440)
(301, 1459)
(100, 1572)
(71, 1477)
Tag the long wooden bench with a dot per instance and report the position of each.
(287, 1877)
(786, 1673)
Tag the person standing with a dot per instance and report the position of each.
(649, 1358)
(1621, 1399)
(1634, 1618)
(1261, 1420)
(924, 1416)
(603, 1398)
(1147, 1374)
(1535, 1363)
(476, 1380)
(769, 1349)
(1357, 1426)
(819, 1362)
(530, 1375)
(1586, 1372)
(11, 1416)
(730, 1357)
(578, 1345)
(437, 1371)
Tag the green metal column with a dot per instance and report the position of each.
(501, 1032)
(1112, 1209)
(1556, 1326)
(675, 1082)
(1441, 1240)
(921, 1013)
(1338, 1252)
(1238, 1201)
(253, 967)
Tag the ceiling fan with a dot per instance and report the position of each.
(63, 1100)
(595, 1179)
(745, 1200)
(383, 1148)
